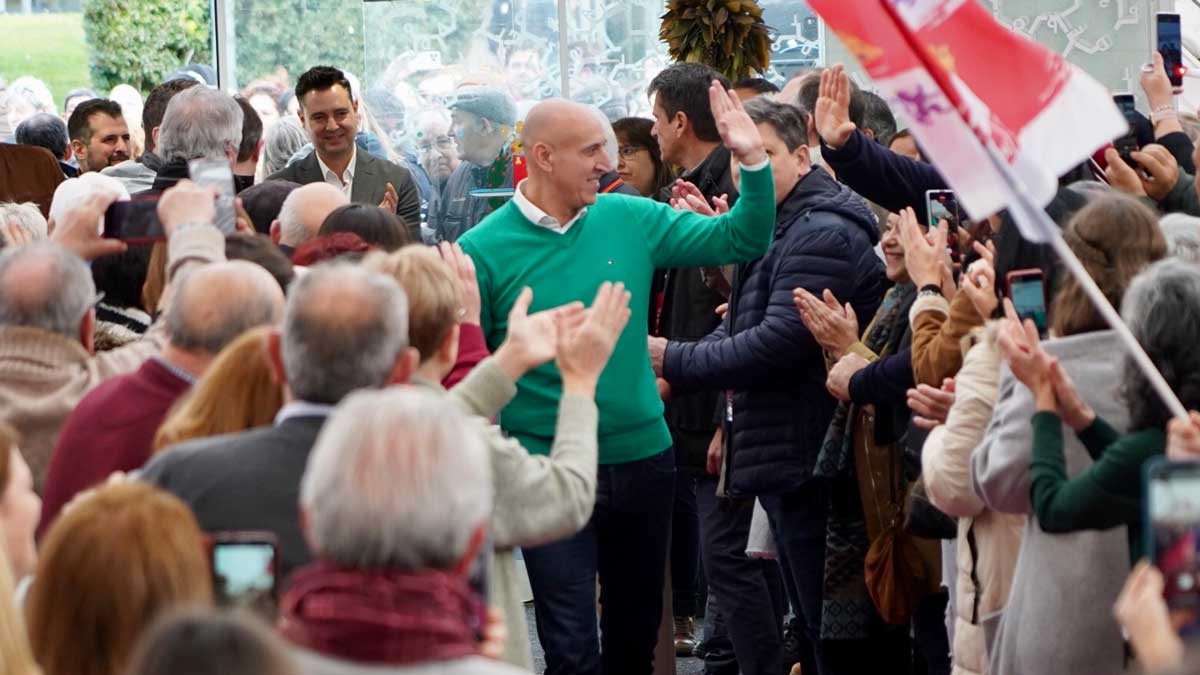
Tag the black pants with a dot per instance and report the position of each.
(685, 545)
(748, 592)
(626, 544)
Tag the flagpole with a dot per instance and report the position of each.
(1031, 213)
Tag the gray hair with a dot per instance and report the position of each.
(878, 117)
(1182, 233)
(284, 139)
(343, 329)
(399, 479)
(59, 301)
(206, 320)
(610, 136)
(291, 220)
(200, 123)
(1162, 309)
(788, 121)
(27, 215)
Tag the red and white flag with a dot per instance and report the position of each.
(962, 79)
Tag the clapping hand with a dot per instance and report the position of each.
(687, 197)
(532, 339)
(834, 326)
(1022, 348)
(464, 269)
(930, 405)
(585, 342)
(924, 255)
(838, 382)
(1143, 613)
(390, 199)
(1183, 438)
(738, 131)
(979, 282)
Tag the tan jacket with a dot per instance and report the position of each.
(985, 574)
(938, 328)
(43, 375)
(538, 498)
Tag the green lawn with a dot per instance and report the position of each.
(48, 46)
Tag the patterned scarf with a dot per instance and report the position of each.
(380, 616)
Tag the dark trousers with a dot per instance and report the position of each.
(798, 521)
(685, 545)
(626, 544)
(749, 593)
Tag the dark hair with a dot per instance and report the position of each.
(1162, 308)
(260, 250)
(156, 106)
(636, 131)
(78, 127)
(789, 121)
(345, 246)
(683, 87)
(810, 91)
(203, 641)
(757, 84)
(45, 131)
(121, 277)
(263, 202)
(252, 130)
(374, 225)
(77, 93)
(320, 78)
(878, 117)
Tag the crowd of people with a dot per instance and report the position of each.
(726, 351)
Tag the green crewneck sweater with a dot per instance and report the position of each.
(619, 238)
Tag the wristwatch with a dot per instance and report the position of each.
(929, 290)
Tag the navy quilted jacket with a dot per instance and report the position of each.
(824, 238)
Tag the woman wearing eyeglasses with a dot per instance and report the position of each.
(638, 160)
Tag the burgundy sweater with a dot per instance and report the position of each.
(112, 429)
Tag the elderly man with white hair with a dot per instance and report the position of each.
(47, 357)
(396, 499)
(199, 123)
(302, 212)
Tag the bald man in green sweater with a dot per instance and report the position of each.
(561, 239)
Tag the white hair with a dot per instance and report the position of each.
(56, 306)
(284, 139)
(72, 190)
(34, 91)
(1182, 233)
(27, 216)
(398, 478)
(200, 123)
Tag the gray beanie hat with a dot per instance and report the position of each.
(487, 102)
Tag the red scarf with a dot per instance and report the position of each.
(380, 616)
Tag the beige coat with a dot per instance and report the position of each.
(985, 575)
(538, 498)
(43, 375)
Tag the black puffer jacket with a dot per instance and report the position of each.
(824, 239)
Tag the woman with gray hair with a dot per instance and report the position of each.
(1162, 308)
(283, 141)
(1182, 233)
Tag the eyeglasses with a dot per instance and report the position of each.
(628, 151)
(443, 144)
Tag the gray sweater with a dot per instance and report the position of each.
(1058, 618)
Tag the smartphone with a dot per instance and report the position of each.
(135, 221)
(217, 174)
(1172, 529)
(943, 205)
(1170, 46)
(244, 568)
(1027, 290)
(1126, 146)
(1127, 104)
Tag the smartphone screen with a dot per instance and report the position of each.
(244, 573)
(1173, 515)
(1170, 46)
(942, 205)
(1127, 104)
(217, 174)
(1028, 295)
(135, 220)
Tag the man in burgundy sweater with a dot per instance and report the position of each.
(113, 427)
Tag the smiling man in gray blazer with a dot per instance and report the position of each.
(329, 112)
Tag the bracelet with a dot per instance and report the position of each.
(930, 289)
(1160, 115)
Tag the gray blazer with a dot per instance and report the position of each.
(1058, 618)
(371, 176)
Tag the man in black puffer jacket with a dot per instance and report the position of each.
(780, 410)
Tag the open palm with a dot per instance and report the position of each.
(738, 131)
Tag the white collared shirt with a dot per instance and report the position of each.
(537, 216)
(345, 182)
(302, 409)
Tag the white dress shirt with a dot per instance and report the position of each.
(345, 182)
(537, 216)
